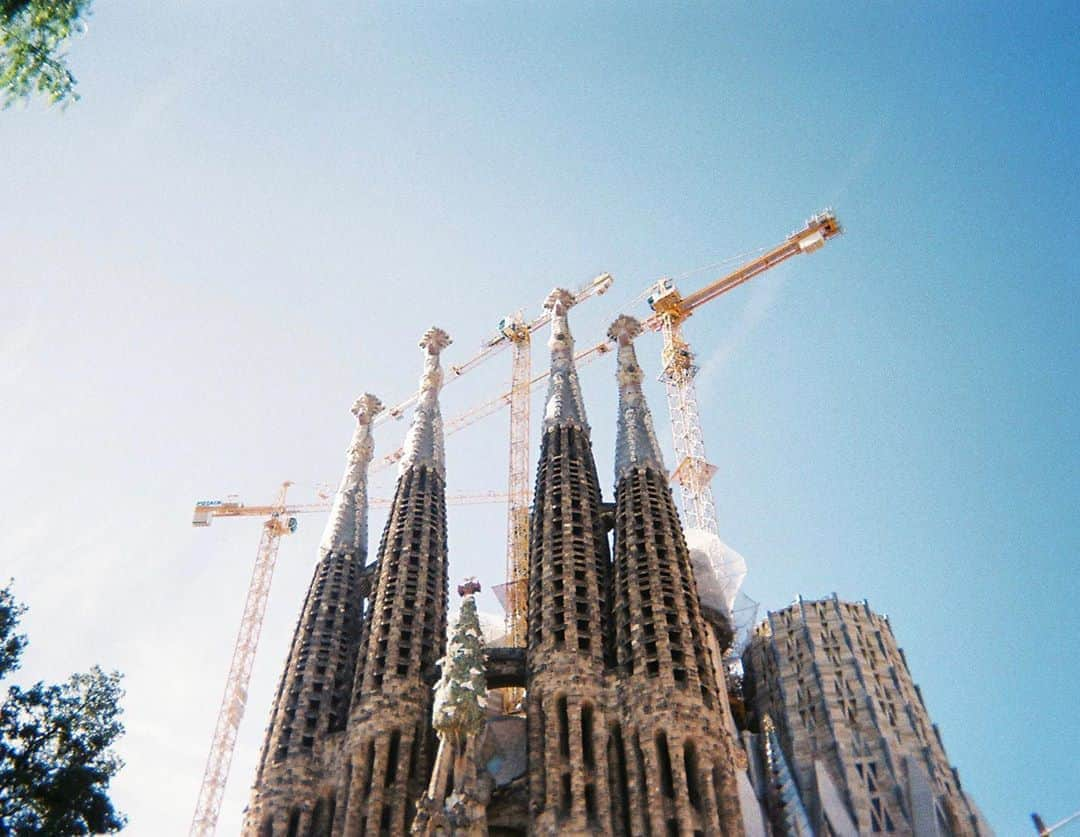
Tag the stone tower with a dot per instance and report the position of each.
(674, 751)
(569, 699)
(852, 723)
(312, 700)
(388, 744)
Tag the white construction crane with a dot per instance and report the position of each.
(693, 472)
(280, 520)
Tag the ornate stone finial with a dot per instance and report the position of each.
(624, 330)
(346, 530)
(565, 406)
(559, 301)
(635, 443)
(424, 443)
(366, 407)
(469, 587)
(435, 340)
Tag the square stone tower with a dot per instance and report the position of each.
(832, 693)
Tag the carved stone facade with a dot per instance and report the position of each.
(852, 724)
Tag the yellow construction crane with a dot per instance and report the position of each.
(212, 790)
(280, 520)
(693, 471)
(207, 510)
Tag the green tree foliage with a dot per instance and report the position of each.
(55, 745)
(32, 33)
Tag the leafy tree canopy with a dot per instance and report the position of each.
(32, 33)
(55, 745)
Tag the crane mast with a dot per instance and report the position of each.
(693, 472)
(517, 509)
(234, 701)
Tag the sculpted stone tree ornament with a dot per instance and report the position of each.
(459, 717)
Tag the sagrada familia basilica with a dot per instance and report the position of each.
(627, 717)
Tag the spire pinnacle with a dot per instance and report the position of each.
(792, 812)
(346, 530)
(636, 445)
(565, 405)
(424, 444)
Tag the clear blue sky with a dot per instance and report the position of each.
(257, 208)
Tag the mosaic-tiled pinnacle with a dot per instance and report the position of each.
(635, 442)
(565, 407)
(424, 444)
(346, 530)
(792, 814)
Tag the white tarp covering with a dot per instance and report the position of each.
(743, 616)
(718, 568)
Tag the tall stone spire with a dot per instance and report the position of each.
(565, 405)
(313, 696)
(569, 613)
(388, 743)
(346, 530)
(424, 444)
(671, 709)
(635, 443)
